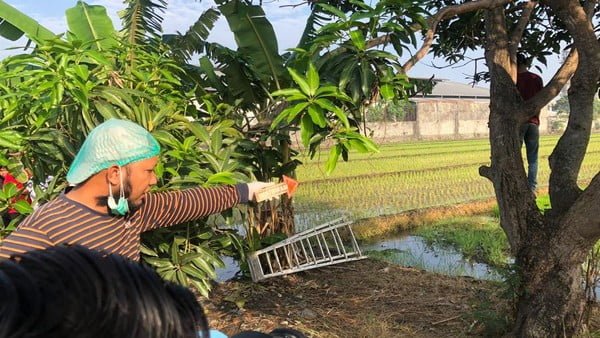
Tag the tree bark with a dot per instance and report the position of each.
(551, 299)
(549, 249)
(565, 160)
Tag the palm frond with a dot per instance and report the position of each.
(142, 18)
(242, 82)
(193, 41)
(315, 21)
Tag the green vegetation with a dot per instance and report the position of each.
(409, 176)
(54, 93)
(479, 238)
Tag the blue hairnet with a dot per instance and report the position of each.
(113, 142)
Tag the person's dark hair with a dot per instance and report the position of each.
(522, 60)
(76, 292)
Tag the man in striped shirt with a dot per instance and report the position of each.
(117, 161)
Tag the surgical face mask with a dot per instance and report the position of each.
(121, 207)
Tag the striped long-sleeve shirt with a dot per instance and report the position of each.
(64, 221)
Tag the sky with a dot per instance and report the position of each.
(288, 21)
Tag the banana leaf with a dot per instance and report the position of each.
(91, 23)
(256, 40)
(14, 24)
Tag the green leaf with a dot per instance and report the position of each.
(200, 287)
(174, 252)
(13, 24)
(181, 277)
(207, 268)
(199, 131)
(387, 92)
(9, 31)
(317, 116)
(22, 207)
(98, 57)
(145, 250)
(159, 262)
(287, 92)
(333, 10)
(91, 23)
(306, 130)
(292, 112)
(300, 81)
(188, 257)
(366, 78)
(279, 118)
(312, 77)
(255, 38)
(192, 271)
(140, 19)
(329, 89)
(347, 73)
(221, 178)
(358, 145)
(358, 40)
(328, 105)
(332, 160)
(106, 110)
(368, 144)
(9, 190)
(10, 139)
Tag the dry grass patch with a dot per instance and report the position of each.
(377, 226)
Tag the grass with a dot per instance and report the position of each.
(445, 265)
(479, 238)
(380, 226)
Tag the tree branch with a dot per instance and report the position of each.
(565, 161)
(443, 14)
(517, 205)
(553, 88)
(583, 215)
(589, 8)
(517, 34)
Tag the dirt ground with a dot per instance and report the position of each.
(369, 298)
(365, 298)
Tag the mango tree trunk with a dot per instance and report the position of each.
(549, 248)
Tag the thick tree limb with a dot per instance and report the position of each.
(553, 88)
(517, 33)
(565, 160)
(583, 215)
(497, 49)
(590, 5)
(517, 206)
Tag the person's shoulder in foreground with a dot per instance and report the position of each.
(77, 292)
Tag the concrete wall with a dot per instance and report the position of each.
(443, 119)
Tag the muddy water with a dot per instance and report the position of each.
(406, 251)
(413, 251)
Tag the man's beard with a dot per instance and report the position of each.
(103, 200)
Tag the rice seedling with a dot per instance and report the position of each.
(410, 176)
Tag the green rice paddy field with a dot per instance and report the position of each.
(408, 176)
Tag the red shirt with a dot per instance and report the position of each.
(528, 85)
